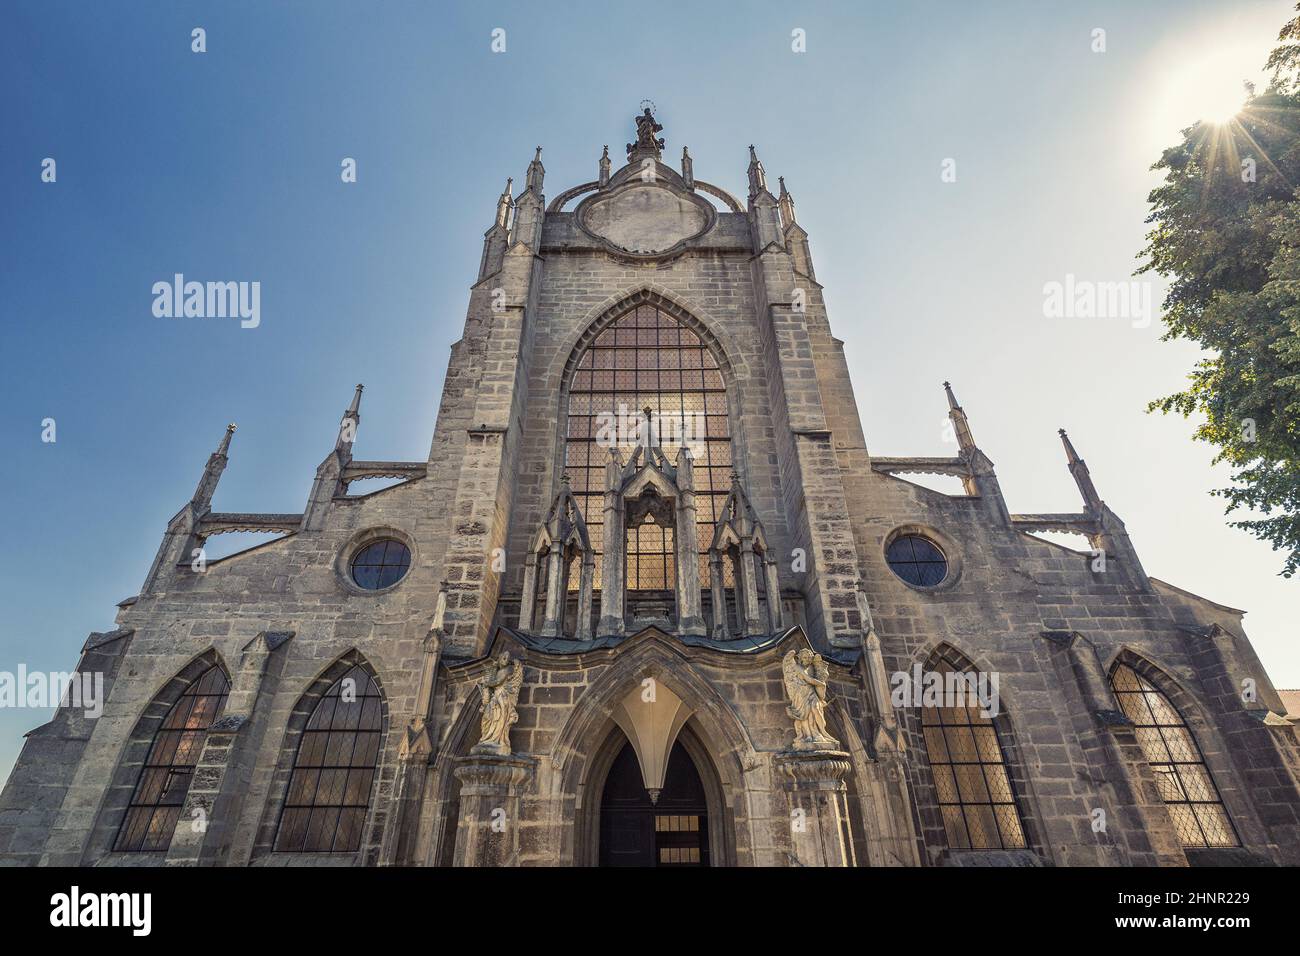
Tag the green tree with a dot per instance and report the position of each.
(1225, 229)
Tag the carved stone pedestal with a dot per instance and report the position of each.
(818, 806)
(487, 833)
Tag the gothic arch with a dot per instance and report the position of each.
(136, 748)
(1161, 675)
(586, 843)
(301, 713)
(590, 740)
(679, 307)
(932, 832)
(575, 347)
(1206, 732)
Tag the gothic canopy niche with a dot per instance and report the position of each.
(645, 219)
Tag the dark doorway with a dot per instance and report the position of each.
(635, 832)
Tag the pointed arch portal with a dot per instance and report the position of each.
(671, 830)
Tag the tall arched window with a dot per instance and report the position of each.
(165, 777)
(976, 798)
(647, 358)
(334, 770)
(1171, 749)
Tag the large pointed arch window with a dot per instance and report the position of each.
(1175, 758)
(975, 793)
(334, 769)
(159, 794)
(646, 358)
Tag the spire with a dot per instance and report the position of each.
(786, 204)
(536, 173)
(960, 424)
(202, 499)
(604, 167)
(1082, 477)
(348, 426)
(688, 169)
(504, 205)
(757, 177)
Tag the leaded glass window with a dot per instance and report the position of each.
(334, 769)
(976, 797)
(1170, 748)
(159, 794)
(646, 358)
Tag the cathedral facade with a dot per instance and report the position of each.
(651, 601)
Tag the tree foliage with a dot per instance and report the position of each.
(1225, 229)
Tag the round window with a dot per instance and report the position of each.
(381, 564)
(917, 560)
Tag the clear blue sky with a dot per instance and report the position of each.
(225, 165)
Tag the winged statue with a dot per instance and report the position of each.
(805, 672)
(499, 693)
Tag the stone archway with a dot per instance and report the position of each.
(709, 733)
(685, 823)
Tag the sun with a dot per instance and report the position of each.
(1205, 86)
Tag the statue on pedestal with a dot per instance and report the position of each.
(805, 673)
(499, 692)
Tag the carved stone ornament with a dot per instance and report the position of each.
(645, 219)
(499, 692)
(805, 673)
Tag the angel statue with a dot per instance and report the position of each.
(499, 692)
(805, 684)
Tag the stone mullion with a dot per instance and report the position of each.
(719, 596)
(529, 595)
(554, 611)
(772, 584)
(747, 589)
(582, 629)
(690, 619)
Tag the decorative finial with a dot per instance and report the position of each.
(224, 446)
(604, 167)
(1071, 455)
(757, 177)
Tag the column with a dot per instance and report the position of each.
(817, 797)
(719, 596)
(487, 833)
